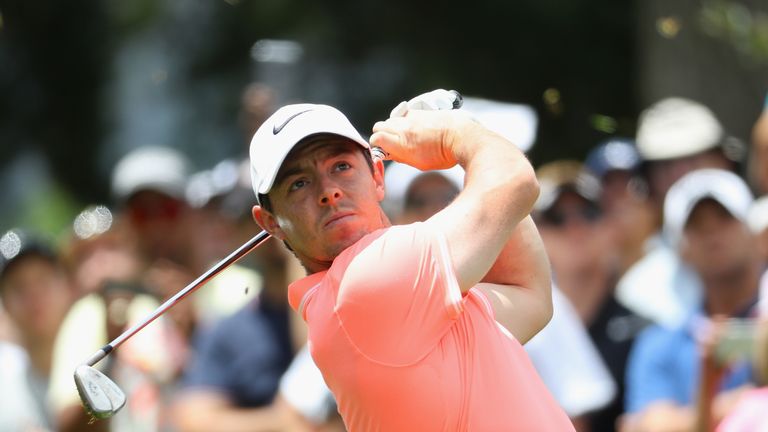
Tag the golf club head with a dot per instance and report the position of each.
(100, 396)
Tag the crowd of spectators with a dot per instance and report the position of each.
(657, 244)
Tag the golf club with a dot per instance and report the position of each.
(101, 397)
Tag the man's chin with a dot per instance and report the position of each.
(342, 240)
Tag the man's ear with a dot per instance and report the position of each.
(378, 177)
(267, 222)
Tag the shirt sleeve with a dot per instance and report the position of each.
(649, 376)
(303, 387)
(399, 295)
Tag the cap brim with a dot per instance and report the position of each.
(266, 185)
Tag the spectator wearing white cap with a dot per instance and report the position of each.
(149, 183)
(706, 219)
(674, 137)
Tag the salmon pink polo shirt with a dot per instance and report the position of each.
(402, 350)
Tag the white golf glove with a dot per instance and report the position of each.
(431, 101)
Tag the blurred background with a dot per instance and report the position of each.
(83, 82)
(124, 129)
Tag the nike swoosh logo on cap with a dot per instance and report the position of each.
(276, 129)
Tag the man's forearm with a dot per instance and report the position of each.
(499, 193)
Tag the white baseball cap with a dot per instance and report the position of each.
(725, 187)
(161, 169)
(676, 127)
(280, 133)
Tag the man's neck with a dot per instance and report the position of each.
(729, 294)
(313, 266)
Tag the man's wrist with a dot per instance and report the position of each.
(464, 137)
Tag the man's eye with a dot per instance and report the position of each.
(298, 184)
(343, 166)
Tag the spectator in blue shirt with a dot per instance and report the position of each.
(704, 215)
(234, 373)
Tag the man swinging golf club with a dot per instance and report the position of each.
(416, 327)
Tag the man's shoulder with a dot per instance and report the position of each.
(396, 236)
(394, 248)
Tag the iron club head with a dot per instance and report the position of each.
(100, 395)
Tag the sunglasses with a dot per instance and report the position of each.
(165, 210)
(589, 214)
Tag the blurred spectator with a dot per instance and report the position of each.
(413, 195)
(581, 385)
(705, 217)
(36, 295)
(623, 198)
(108, 272)
(578, 243)
(747, 414)
(149, 184)
(234, 374)
(221, 200)
(674, 136)
(100, 248)
(758, 160)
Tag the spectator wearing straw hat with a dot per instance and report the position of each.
(675, 136)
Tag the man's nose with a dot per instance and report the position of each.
(330, 194)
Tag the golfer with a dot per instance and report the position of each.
(415, 327)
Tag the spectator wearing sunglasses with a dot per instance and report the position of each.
(149, 185)
(580, 248)
(624, 198)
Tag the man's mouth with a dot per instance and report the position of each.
(337, 218)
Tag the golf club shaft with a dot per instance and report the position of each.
(250, 245)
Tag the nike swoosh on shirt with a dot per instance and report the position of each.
(276, 129)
